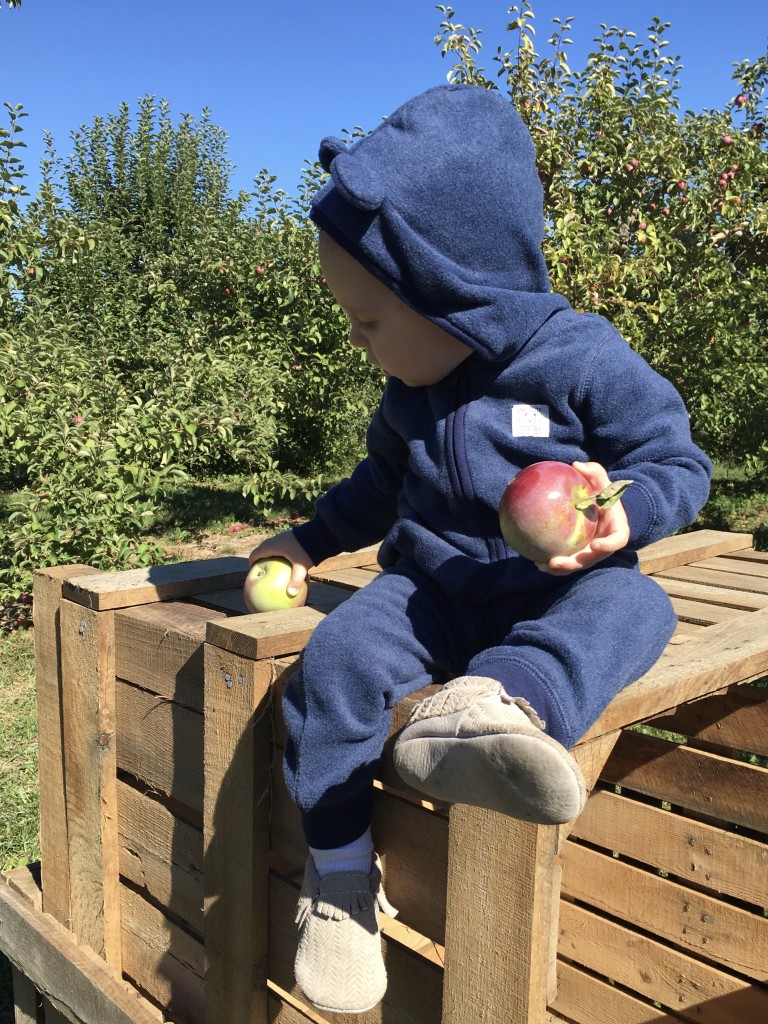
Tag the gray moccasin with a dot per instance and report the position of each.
(339, 964)
(472, 743)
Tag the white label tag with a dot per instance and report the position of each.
(530, 420)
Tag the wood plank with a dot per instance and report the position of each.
(160, 648)
(716, 578)
(88, 699)
(162, 959)
(350, 579)
(728, 936)
(712, 595)
(266, 635)
(236, 812)
(588, 1000)
(749, 556)
(113, 590)
(727, 653)
(691, 850)
(688, 547)
(161, 854)
(698, 780)
(348, 559)
(498, 929)
(24, 998)
(702, 613)
(698, 992)
(60, 969)
(737, 720)
(53, 808)
(161, 743)
(734, 567)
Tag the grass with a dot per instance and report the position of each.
(18, 772)
(18, 752)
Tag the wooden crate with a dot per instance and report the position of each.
(172, 856)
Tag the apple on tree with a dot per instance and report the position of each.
(265, 588)
(548, 509)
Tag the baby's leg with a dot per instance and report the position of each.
(497, 737)
(389, 639)
(586, 641)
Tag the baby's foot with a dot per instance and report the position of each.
(472, 743)
(339, 964)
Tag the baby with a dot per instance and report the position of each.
(430, 239)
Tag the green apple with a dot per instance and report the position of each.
(266, 584)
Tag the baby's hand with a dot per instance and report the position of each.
(612, 532)
(285, 545)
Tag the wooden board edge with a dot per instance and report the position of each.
(70, 975)
(683, 548)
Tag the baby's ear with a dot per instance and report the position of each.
(330, 148)
(356, 176)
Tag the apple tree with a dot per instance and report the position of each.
(656, 216)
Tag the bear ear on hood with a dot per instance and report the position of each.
(356, 183)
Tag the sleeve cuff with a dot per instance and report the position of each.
(317, 540)
(639, 509)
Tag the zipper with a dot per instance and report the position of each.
(459, 470)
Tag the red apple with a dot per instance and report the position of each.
(549, 509)
(266, 584)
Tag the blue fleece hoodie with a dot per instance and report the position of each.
(442, 203)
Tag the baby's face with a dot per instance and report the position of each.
(396, 338)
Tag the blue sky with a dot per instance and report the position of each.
(281, 74)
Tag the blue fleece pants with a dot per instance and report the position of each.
(568, 651)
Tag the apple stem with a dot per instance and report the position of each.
(607, 497)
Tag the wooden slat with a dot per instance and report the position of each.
(691, 850)
(749, 556)
(268, 635)
(162, 959)
(727, 653)
(156, 583)
(699, 992)
(350, 579)
(24, 998)
(718, 578)
(733, 566)
(588, 1000)
(88, 699)
(161, 743)
(727, 935)
(702, 613)
(160, 648)
(348, 560)
(689, 547)
(236, 812)
(53, 808)
(60, 969)
(498, 927)
(161, 854)
(695, 779)
(712, 595)
(737, 720)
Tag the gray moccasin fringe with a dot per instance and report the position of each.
(339, 964)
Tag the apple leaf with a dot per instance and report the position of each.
(607, 497)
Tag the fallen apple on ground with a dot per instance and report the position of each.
(549, 509)
(265, 588)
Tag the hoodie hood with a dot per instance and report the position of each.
(443, 204)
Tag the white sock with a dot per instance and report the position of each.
(355, 856)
